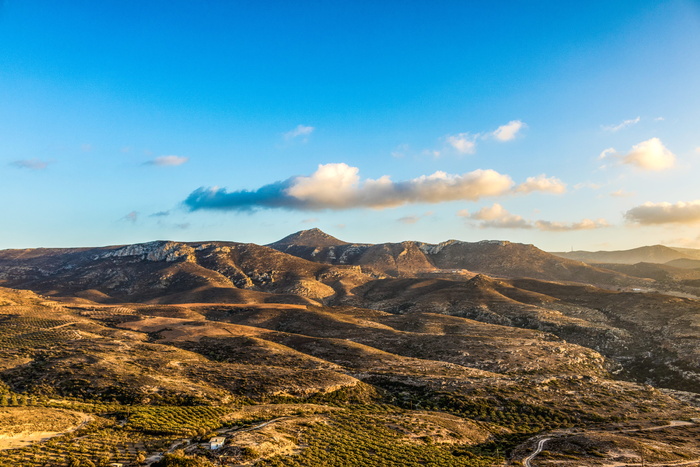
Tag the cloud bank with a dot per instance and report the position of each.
(497, 217)
(339, 186)
(665, 213)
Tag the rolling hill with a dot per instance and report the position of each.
(314, 348)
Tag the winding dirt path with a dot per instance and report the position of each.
(672, 424)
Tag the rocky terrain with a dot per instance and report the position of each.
(313, 349)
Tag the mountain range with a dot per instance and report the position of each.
(494, 332)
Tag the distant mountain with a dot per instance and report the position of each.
(692, 253)
(671, 271)
(311, 238)
(173, 271)
(646, 254)
(409, 258)
(685, 263)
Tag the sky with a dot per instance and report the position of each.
(568, 125)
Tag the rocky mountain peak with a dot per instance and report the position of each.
(312, 237)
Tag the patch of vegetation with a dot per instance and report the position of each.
(360, 438)
(176, 420)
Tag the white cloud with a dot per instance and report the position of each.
(508, 131)
(168, 161)
(650, 155)
(607, 153)
(338, 186)
(542, 183)
(665, 213)
(622, 125)
(464, 143)
(498, 217)
(647, 155)
(300, 130)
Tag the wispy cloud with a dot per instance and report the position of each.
(168, 161)
(622, 125)
(590, 185)
(339, 186)
(413, 219)
(132, 217)
(400, 151)
(464, 143)
(497, 217)
(585, 224)
(302, 131)
(665, 213)
(508, 131)
(621, 194)
(649, 155)
(31, 164)
(408, 219)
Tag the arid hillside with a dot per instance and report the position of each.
(458, 353)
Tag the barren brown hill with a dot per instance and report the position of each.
(646, 254)
(408, 259)
(156, 270)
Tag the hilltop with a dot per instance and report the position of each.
(659, 254)
(409, 258)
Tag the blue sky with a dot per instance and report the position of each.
(124, 122)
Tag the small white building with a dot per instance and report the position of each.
(217, 442)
